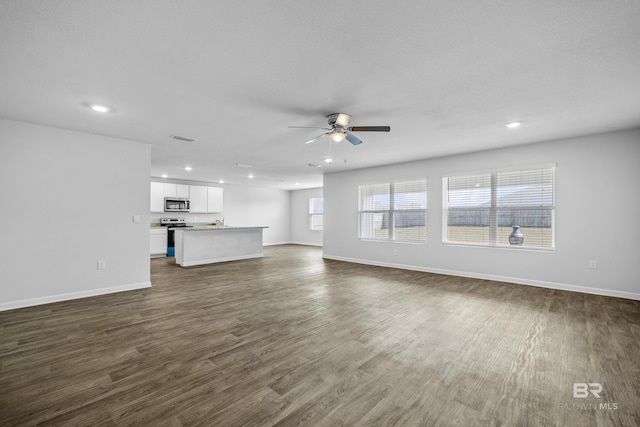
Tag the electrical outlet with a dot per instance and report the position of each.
(395, 252)
(592, 264)
(135, 219)
(102, 264)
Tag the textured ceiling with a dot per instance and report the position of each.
(445, 75)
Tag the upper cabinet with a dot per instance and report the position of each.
(202, 199)
(160, 190)
(183, 190)
(198, 199)
(175, 190)
(157, 197)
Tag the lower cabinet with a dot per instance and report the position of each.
(158, 242)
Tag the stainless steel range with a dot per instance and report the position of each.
(171, 224)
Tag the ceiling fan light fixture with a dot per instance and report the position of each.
(343, 120)
(337, 136)
(341, 130)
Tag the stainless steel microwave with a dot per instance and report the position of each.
(176, 204)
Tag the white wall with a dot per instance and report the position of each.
(597, 217)
(300, 232)
(249, 206)
(67, 200)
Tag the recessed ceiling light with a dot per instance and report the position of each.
(311, 165)
(513, 125)
(221, 181)
(328, 160)
(164, 175)
(250, 175)
(242, 165)
(100, 108)
(188, 168)
(297, 183)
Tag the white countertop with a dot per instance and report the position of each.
(217, 228)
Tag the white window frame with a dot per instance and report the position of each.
(314, 214)
(391, 237)
(494, 208)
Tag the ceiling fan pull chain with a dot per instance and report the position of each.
(345, 152)
(330, 150)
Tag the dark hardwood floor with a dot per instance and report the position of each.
(292, 339)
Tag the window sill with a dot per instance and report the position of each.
(502, 247)
(404, 242)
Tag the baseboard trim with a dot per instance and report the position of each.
(293, 243)
(318, 245)
(218, 260)
(516, 280)
(12, 305)
(275, 244)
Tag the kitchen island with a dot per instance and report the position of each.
(210, 244)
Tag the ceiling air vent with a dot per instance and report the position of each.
(183, 138)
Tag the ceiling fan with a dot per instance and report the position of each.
(340, 129)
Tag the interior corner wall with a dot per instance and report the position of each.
(67, 200)
(301, 234)
(597, 211)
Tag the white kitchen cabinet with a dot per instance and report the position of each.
(160, 190)
(158, 242)
(203, 199)
(157, 197)
(198, 199)
(170, 190)
(215, 199)
(182, 190)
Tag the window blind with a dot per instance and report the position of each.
(482, 209)
(316, 213)
(393, 211)
(525, 198)
(467, 208)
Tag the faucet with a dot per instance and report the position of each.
(218, 222)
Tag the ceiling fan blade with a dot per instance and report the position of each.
(317, 138)
(353, 139)
(307, 127)
(370, 128)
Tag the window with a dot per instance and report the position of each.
(394, 211)
(481, 209)
(316, 213)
